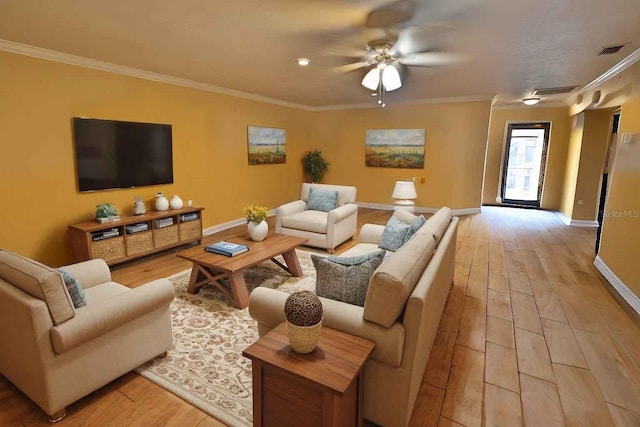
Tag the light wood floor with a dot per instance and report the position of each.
(529, 335)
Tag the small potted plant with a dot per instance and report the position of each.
(315, 165)
(257, 226)
(303, 311)
(106, 212)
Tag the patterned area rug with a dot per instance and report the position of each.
(205, 365)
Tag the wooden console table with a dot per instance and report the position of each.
(117, 242)
(322, 388)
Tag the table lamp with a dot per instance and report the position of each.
(403, 192)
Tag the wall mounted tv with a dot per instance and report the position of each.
(114, 154)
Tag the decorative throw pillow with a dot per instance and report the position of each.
(75, 290)
(414, 226)
(322, 200)
(394, 234)
(345, 279)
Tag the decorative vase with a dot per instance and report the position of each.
(303, 339)
(258, 230)
(176, 203)
(138, 206)
(162, 204)
(303, 312)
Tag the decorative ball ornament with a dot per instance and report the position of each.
(303, 308)
(303, 311)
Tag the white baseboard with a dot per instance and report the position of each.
(223, 226)
(229, 224)
(583, 223)
(376, 206)
(576, 222)
(618, 284)
(467, 211)
(419, 209)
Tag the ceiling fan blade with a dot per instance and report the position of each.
(347, 68)
(431, 59)
(391, 14)
(420, 38)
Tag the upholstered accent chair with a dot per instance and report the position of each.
(314, 218)
(56, 353)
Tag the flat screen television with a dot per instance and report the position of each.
(114, 154)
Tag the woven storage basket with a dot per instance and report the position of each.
(108, 249)
(165, 236)
(139, 243)
(190, 230)
(303, 339)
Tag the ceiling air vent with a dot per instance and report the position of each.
(554, 90)
(610, 50)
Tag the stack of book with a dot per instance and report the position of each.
(189, 217)
(227, 248)
(163, 222)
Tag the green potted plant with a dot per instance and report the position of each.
(315, 165)
(106, 212)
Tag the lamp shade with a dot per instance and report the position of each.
(404, 190)
(372, 79)
(391, 78)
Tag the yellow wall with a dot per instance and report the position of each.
(595, 142)
(456, 135)
(556, 159)
(39, 192)
(621, 230)
(572, 164)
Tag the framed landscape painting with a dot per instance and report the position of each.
(395, 148)
(266, 145)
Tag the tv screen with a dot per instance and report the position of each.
(114, 154)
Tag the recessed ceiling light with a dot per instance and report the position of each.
(303, 62)
(531, 101)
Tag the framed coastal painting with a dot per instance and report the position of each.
(395, 148)
(266, 145)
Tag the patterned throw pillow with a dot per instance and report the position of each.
(394, 234)
(322, 200)
(345, 279)
(413, 227)
(75, 290)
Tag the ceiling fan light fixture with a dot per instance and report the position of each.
(531, 101)
(391, 78)
(372, 79)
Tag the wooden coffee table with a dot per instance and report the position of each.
(210, 268)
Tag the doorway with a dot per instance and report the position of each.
(524, 163)
(604, 184)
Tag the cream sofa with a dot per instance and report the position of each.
(322, 229)
(55, 353)
(402, 310)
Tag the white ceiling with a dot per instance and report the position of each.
(511, 46)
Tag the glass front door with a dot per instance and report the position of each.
(524, 163)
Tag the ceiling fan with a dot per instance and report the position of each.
(387, 56)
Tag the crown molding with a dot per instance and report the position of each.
(424, 101)
(612, 72)
(94, 64)
(521, 106)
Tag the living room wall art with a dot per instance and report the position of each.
(395, 148)
(266, 145)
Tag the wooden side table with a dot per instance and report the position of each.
(322, 388)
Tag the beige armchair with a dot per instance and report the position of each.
(57, 354)
(322, 229)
